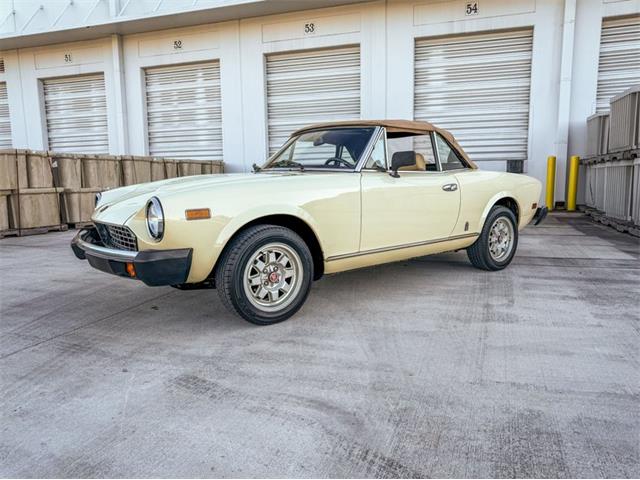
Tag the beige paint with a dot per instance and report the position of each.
(415, 216)
(480, 190)
(409, 209)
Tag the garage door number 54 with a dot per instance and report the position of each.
(472, 9)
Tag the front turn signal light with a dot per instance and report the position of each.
(197, 213)
(131, 270)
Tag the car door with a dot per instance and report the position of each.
(419, 206)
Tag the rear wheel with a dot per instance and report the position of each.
(265, 274)
(497, 244)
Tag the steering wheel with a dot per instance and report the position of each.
(337, 161)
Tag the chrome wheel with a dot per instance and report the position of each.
(272, 277)
(501, 238)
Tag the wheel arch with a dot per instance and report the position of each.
(512, 204)
(295, 224)
(507, 200)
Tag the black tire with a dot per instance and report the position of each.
(231, 273)
(479, 254)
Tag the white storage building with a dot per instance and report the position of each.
(230, 79)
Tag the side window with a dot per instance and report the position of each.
(378, 156)
(420, 145)
(449, 159)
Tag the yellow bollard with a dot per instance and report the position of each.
(551, 182)
(572, 186)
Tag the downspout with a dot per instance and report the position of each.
(120, 97)
(564, 96)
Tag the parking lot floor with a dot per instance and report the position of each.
(424, 368)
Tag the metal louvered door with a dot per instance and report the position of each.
(477, 86)
(311, 86)
(76, 113)
(619, 63)
(184, 111)
(5, 121)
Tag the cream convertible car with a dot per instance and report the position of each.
(335, 197)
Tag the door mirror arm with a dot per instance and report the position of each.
(379, 168)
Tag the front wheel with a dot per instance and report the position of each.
(265, 274)
(497, 244)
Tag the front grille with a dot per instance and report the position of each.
(117, 236)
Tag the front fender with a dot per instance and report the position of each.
(207, 257)
(256, 213)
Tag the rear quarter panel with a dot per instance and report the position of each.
(480, 190)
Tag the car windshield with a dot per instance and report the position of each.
(339, 148)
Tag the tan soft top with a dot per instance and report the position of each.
(394, 126)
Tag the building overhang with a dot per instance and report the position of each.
(234, 10)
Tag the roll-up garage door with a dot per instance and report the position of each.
(311, 86)
(477, 86)
(619, 64)
(184, 111)
(5, 121)
(76, 113)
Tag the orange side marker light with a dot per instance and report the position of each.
(197, 213)
(131, 270)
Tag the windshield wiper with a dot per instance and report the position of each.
(287, 163)
(256, 168)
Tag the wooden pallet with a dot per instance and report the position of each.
(8, 233)
(23, 232)
(612, 157)
(620, 225)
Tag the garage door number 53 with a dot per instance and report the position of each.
(309, 28)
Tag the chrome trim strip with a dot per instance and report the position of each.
(399, 247)
(306, 169)
(436, 153)
(364, 158)
(104, 252)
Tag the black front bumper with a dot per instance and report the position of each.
(540, 215)
(153, 267)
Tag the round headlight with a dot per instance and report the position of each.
(155, 218)
(98, 197)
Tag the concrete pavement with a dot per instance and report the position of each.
(426, 368)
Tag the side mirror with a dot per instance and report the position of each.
(402, 159)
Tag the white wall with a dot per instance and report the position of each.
(26, 68)
(212, 42)
(410, 20)
(362, 24)
(386, 32)
(589, 16)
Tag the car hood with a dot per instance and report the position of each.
(118, 205)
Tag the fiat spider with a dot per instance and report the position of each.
(335, 197)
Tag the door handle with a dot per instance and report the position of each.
(450, 187)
